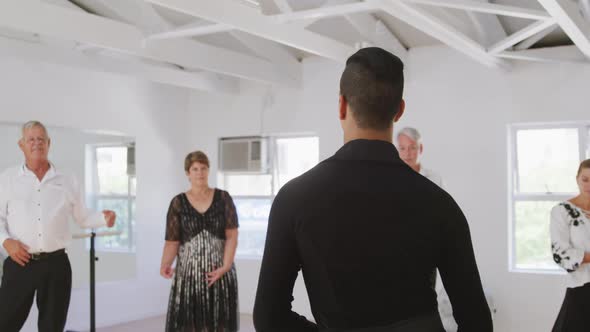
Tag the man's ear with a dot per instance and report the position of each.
(400, 112)
(342, 107)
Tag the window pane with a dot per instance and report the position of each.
(112, 170)
(248, 184)
(295, 156)
(121, 207)
(133, 186)
(547, 160)
(253, 218)
(533, 244)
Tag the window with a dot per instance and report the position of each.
(253, 193)
(543, 163)
(111, 185)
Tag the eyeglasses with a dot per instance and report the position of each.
(38, 140)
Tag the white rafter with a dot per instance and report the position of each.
(527, 43)
(273, 7)
(207, 82)
(488, 27)
(521, 35)
(191, 30)
(441, 31)
(485, 7)
(569, 18)
(67, 24)
(327, 11)
(139, 13)
(376, 33)
(275, 53)
(251, 21)
(560, 54)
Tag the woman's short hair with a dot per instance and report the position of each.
(195, 157)
(583, 164)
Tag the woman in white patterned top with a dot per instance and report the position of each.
(570, 244)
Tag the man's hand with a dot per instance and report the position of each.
(17, 251)
(110, 217)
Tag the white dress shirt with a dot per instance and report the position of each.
(444, 303)
(570, 239)
(37, 213)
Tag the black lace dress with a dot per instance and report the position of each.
(193, 307)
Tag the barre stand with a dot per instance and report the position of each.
(93, 260)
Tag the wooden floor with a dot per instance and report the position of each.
(156, 324)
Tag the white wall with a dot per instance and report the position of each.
(156, 116)
(462, 109)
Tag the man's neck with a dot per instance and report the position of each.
(379, 135)
(38, 167)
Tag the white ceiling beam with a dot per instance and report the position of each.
(585, 8)
(561, 54)
(139, 13)
(327, 11)
(251, 21)
(441, 31)
(521, 35)
(376, 33)
(63, 3)
(192, 30)
(273, 7)
(270, 50)
(275, 53)
(488, 27)
(207, 82)
(90, 29)
(571, 21)
(485, 7)
(527, 43)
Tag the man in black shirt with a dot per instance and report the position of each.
(366, 230)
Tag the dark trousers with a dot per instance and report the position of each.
(50, 279)
(425, 323)
(574, 315)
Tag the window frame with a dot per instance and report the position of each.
(273, 171)
(514, 194)
(93, 197)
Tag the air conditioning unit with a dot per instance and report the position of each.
(243, 155)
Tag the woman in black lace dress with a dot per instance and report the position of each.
(201, 234)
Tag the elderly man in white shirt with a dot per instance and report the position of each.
(36, 202)
(409, 144)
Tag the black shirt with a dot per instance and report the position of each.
(368, 232)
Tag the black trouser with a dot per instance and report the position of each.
(425, 323)
(50, 278)
(574, 314)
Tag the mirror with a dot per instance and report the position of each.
(104, 164)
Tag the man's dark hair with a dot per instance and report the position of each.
(373, 83)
